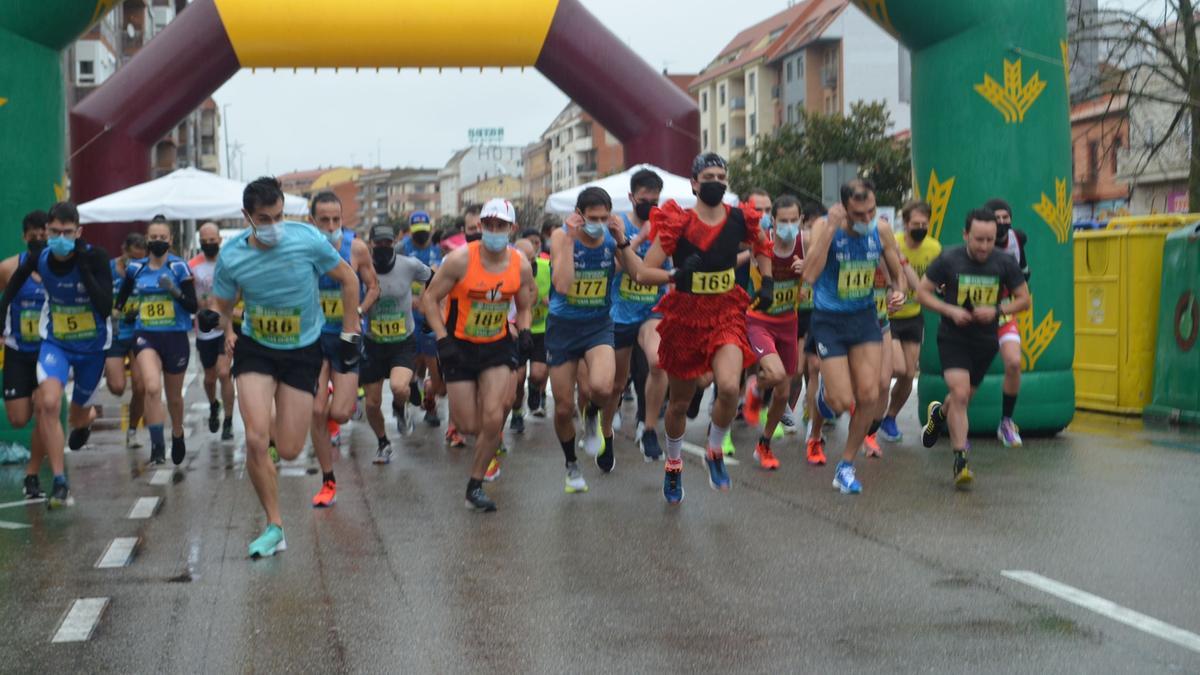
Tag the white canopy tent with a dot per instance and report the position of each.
(617, 187)
(186, 194)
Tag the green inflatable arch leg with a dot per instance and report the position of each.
(990, 118)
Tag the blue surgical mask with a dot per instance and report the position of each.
(495, 241)
(61, 246)
(268, 235)
(594, 229)
(862, 229)
(335, 237)
(764, 223)
(787, 231)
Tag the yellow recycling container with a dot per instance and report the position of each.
(1118, 274)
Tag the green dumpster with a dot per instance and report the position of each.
(1176, 395)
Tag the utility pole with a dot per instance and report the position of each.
(225, 133)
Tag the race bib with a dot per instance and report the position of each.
(712, 283)
(157, 310)
(784, 298)
(30, 318)
(632, 291)
(486, 319)
(275, 326)
(72, 323)
(590, 288)
(331, 306)
(881, 302)
(239, 313)
(540, 312)
(982, 291)
(389, 327)
(856, 279)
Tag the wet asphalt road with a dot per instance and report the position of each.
(783, 574)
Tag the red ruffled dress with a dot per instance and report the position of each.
(696, 325)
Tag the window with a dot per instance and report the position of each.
(721, 96)
(791, 114)
(704, 142)
(789, 71)
(704, 101)
(750, 84)
(753, 124)
(1093, 160)
(1116, 151)
(722, 134)
(87, 72)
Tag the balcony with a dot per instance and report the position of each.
(829, 76)
(589, 167)
(738, 143)
(737, 103)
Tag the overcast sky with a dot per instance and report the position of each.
(287, 121)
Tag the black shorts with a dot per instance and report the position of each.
(331, 346)
(297, 368)
(803, 323)
(477, 358)
(972, 355)
(172, 347)
(539, 348)
(910, 330)
(382, 357)
(210, 351)
(20, 373)
(625, 335)
(120, 348)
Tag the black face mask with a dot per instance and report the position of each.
(712, 192)
(642, 209)
(475, 236)
(918, 235)
(158, 248)
(36, 246)
(384, 258)
(1002, 233)
(210, 250)
(420, 238)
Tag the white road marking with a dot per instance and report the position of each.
(161, 477)
(188, 379)
(1112, 610)
(143, 508)
(23, 502)
(5, 525)
(80, 620)
(118, 553)
(693, 449)
(293, 472)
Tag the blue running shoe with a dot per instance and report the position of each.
(673, 483)
(889, 432)
(822, 406)
(270, 543)
(718, 477)
(844, 480)
(650, 448)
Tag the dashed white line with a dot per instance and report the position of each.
(1108, 608)
(23, 502)
(80, 620)
(143, 508)
(5, 525)
(293, 472)
(118, 553)
(161, 477)
(693, 449)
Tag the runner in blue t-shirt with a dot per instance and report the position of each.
(166, 300)
(419, 244)
(275, 266)
(120, 368)
(74, 331)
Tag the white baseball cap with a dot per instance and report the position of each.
(499, 208)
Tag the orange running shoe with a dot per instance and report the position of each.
(872, 446)
(327, 496)
(493, 470)
(454, 439)
(752, 407)
(766, 459)
(816, 451)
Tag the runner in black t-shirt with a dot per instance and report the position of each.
(970, 280)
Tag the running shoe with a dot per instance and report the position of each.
(815, 451)
(517, 423)
(327, 496)
(871, 445)
(651, 451)
(606, 461)
(272, 451)
(889, 431)
(574, 482)
(454, 439)
(493, 470)
(415, 397)
(1008, 433)
(384, 454)
(227, 429)
(158, 456)
(178, 450)
(727, 444)
(789, 424)
(962, 473)
(79, 437)
(844, 480)
(404, 423)
(593, 442)
(766, 458)
(673, 482)
(477, 499)
(822, 406)
(214, 417)
(539, 411)
(718, 476)
(60, 497)
(131, 440)
(752, 408)
(33, 489)
(933, 427)
(432, 419)
(269, 543)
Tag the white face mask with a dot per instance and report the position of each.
(594, 228)
(335, 237)
(787, 231)
(268, 235)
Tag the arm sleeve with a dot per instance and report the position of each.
(1022, 239)
(126, 289)
(16, 281)
(188, 301)
(96, 276)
